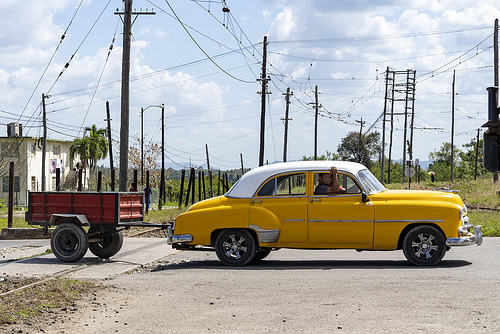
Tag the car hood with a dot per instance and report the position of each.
(419, 195)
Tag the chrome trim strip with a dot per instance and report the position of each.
(278, 196)
(341, 220)
(267, 236)
(294, 220)
(410, 221)
(336, 195)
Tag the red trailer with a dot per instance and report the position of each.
(105, 213)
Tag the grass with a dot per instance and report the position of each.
(35, 300)
(17, 219)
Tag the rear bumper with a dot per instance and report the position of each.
(473, 239)
(177, 239)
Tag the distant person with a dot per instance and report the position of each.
(148, 196)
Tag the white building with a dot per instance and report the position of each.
(26, 153)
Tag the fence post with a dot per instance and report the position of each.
(192, 179)
(148, 200)
(218, 184)
(112, 179)
(188, 193)
(134, 183)
(210, 183)
(80, 178)
(199, 186)
(203, 180)
(10, 214)
(58, 179)
(99, 180)
(181, 192)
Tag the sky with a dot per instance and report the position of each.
(202, 64)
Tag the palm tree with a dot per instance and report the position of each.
(90, 148)
(97, 144)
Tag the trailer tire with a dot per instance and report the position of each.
(69, 242)
(110, 245)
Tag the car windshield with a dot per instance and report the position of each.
(369, 182)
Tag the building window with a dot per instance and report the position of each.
(56, 150)
(5, 184)
(33, 183)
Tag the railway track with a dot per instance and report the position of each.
(90, 263)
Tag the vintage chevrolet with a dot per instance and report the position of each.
(276, 206)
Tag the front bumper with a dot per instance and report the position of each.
(177, 239)
(473, 239)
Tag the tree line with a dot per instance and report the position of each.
(356, 147)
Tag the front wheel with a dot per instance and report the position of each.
(69, 242)
(235, 247)
(110, 243)
(424, 246)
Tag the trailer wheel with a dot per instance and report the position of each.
(69, 242)
(110, 244)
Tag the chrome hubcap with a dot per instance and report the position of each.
(425, 246)
(235, 246)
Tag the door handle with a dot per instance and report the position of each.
(255, 201)
(315, 200)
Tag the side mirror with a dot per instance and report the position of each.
(364, 197)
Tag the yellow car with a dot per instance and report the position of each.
(280, 206)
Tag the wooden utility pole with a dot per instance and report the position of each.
(405, 147)
(361, 122)
(208, 159)
(263, 79)
(44, 142)
(452, 162)
(391, 132)
(110, 143)
(241, 159)
(316, 107)
(162, 177)
(286, 119)
(125, 96)
(382, 147)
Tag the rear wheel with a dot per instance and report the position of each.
(69, 242)
(424, 246)
(235, 247)
(110, 243)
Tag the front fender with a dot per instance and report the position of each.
(201, 223)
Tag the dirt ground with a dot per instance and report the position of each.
(293, 292)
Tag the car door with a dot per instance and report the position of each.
(341, 220)
(283, 200)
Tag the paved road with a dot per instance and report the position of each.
(135, 253)
(296, 291)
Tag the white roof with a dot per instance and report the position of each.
(249, 182)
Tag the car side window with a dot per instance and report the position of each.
(350, 186)
(346, 182)
(285, 185)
